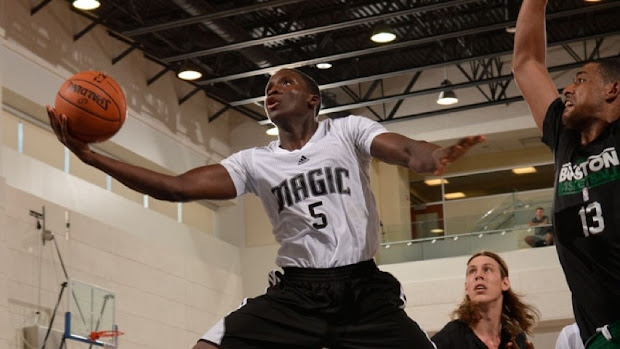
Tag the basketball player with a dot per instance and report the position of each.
(314, 185)
(491, 315)
(584, 134)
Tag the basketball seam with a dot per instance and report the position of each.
(86, 110)
(118, 109)
(90, 112)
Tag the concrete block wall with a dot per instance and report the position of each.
(172, 282)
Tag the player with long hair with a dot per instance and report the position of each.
(491, 314)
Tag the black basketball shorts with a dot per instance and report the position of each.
(351, 307)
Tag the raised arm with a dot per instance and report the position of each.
(419, 156)
(528, 62)
(206, 182)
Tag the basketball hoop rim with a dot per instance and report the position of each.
(110, 333)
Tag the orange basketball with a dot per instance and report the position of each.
(94, 104)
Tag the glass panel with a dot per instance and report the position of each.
(453, 245)
(423, 193)
(491, 201)
(498, 223)
(499, 182)
(427, 221)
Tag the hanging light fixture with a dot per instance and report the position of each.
(189, 74)
(382, 33)
(188, 71)
(510, 15)
(446, 96)
(324, 65)
(86, 4)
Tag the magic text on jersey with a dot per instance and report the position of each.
(313, 183)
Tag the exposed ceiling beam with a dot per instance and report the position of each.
(399, 45)
(315, 30)
(418, 69)
(402, 96)
(437, 89)
(209, 17)
(456, 109)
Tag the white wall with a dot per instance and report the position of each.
(515, 116)
(169, 279)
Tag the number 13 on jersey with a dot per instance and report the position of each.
(595, 213)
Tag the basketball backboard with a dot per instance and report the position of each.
(91, 310)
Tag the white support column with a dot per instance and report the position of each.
(392, 195)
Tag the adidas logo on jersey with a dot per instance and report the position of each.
(302, 160)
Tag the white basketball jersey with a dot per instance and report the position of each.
(318, 198)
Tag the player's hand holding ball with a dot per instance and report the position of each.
(90, 107)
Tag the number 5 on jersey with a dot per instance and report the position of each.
(318, 215)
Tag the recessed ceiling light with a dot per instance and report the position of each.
(455, 195)
(86, 4)
(382, 33)
(324, 65)
(189, 74)
(437, 231)
(524, 170)
(435, 181)
(383, 37)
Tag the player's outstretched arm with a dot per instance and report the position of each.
(528, 62)
(419, 156)
(206, 182)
